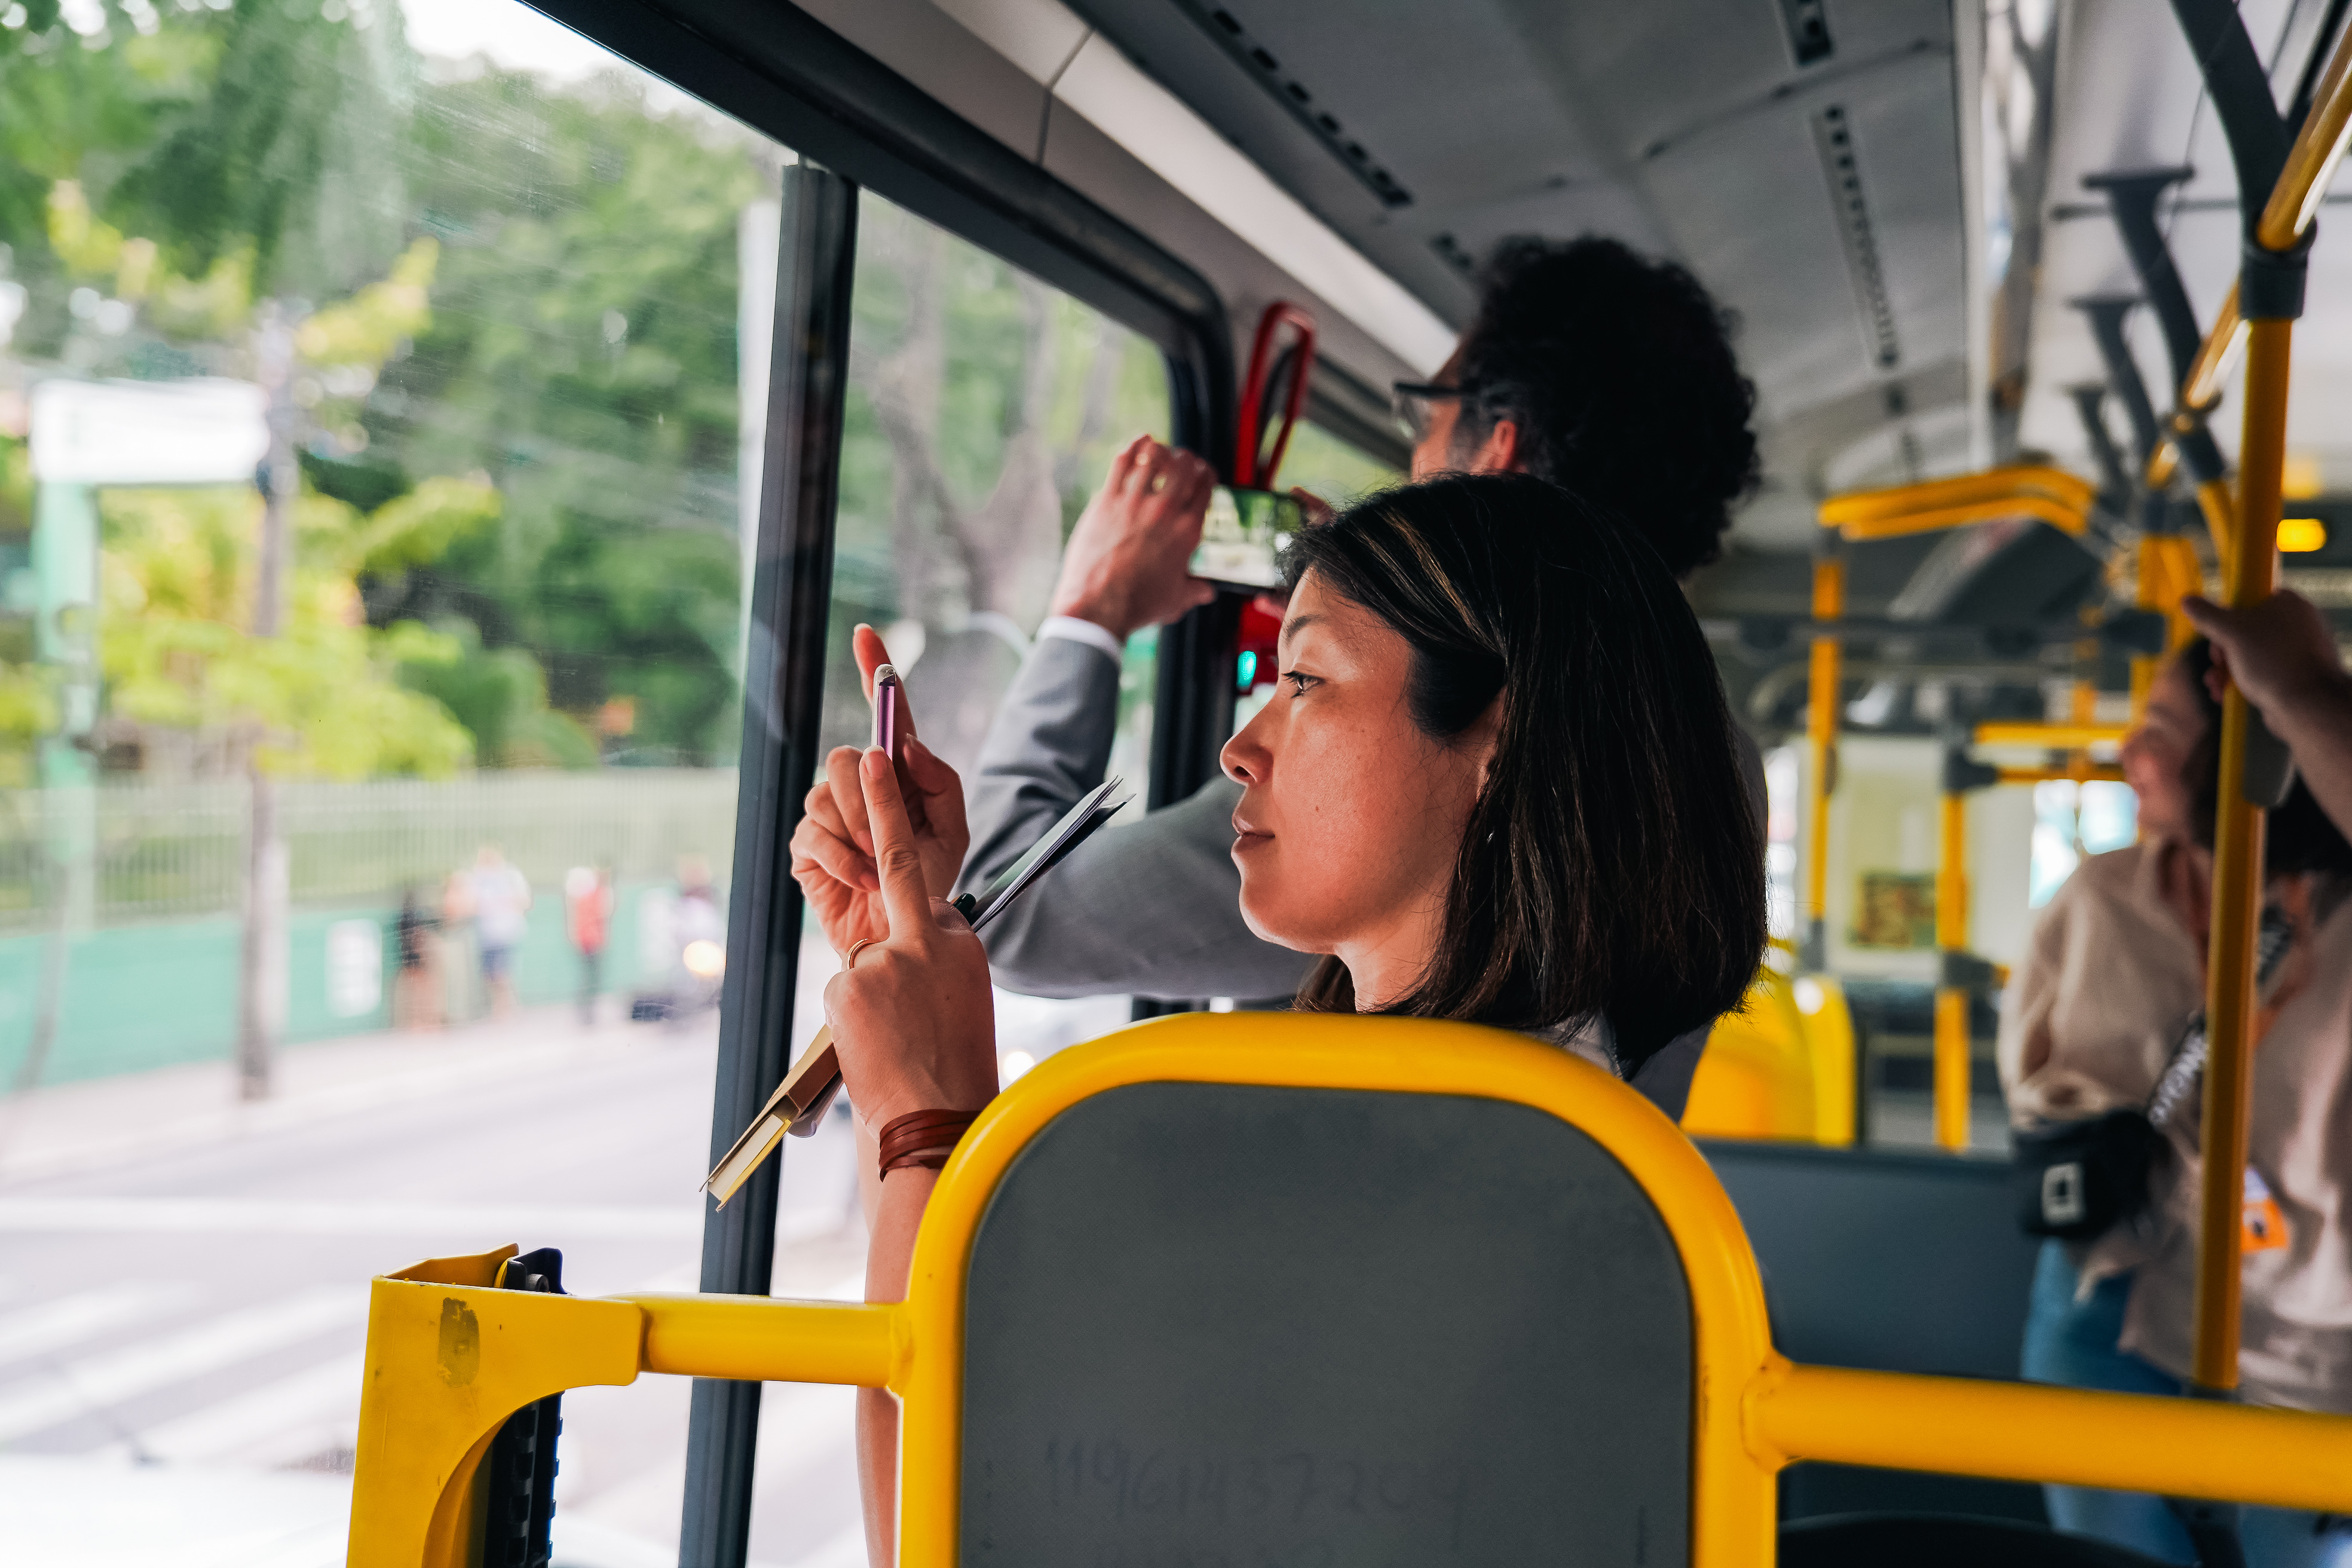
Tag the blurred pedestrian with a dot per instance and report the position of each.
(588, 916)
(460, 961)
(416, 986)
(501, 897)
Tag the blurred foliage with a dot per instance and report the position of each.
(328, 697)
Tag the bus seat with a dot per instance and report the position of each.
(1300, 1287)
(1244, 1323)
(1782, 1068)
(1895, 1261)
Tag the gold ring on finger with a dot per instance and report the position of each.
(849, 959)
(1159, 483)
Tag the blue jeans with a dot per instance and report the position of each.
(2073, 1345)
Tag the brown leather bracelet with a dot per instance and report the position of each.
(922, 1138)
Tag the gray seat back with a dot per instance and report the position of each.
(1240, 1325)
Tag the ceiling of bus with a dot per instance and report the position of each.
(1685, 127)
(2127, 98)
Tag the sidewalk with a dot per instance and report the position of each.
(97, 1121)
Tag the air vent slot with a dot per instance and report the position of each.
(1834, 135)
(1450, 249)
(1808, 23)
(1297, 98)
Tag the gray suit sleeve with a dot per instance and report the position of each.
(1151, 907)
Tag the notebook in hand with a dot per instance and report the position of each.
(800, 1102)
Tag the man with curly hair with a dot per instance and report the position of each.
(1606, 372)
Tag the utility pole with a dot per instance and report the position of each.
(261, 955)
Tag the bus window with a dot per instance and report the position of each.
(1328, 466)
(984, 407)
(398, 849)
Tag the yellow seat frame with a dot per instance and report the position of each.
(449, 1356)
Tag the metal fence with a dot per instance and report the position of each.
(177, 851)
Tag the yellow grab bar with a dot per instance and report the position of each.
(2311, 161)
(2026, 1432)
(2070, 737)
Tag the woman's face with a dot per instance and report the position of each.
(1350, 819)
(2156, 749)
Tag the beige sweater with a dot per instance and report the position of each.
(2091, 1017)
(2108, 982)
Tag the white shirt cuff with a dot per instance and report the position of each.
(1087, 632)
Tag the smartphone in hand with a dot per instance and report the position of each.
(890, 732)
(1244, 536)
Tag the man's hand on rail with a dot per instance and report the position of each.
(913, 1018)
(832, 847)
(1128, 563)
(2281, 654)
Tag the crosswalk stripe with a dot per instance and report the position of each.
(93, 1382)
(533, 1224)
(69, 1319)
(275, 1423)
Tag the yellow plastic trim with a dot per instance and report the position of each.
(445, 1365)
(1732, 1504)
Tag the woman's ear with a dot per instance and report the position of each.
(1485, 739)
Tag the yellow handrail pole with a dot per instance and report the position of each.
(2250, 575)
(1952, 1001)
(2214, 356)
(2221, 510)
(2319, 145)
(1826, 674)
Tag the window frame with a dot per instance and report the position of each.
(862, 125)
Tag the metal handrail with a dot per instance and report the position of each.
(2311, 162)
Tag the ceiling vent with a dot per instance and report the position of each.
(1808, 23)
(1834, 138)
(1296, 98)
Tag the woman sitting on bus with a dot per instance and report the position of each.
(2098, 1011)
(1498, 784)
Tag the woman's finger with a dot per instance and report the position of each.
(843, 861)
(942, 793)
(905, 895)
(849, 795)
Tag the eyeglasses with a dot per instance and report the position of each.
(1410, 401)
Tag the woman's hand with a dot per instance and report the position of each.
(913, 1020)
(832, 847)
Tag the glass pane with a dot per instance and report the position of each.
(984, 407)
(1328, 466)
(473, 294)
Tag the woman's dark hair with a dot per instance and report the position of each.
(1618, 371)
(1613, 865)
(2299, 836)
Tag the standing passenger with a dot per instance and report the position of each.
(2114, 976)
